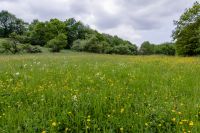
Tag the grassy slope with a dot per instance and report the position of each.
(89, 92)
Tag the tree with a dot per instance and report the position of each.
(57, 43)
(75, 30)
(187, 33)
(53, 28)
(9, 23)
(11, 44)
(37, 34)
(165, 49)
(146, 48)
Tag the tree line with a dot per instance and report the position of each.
(71, 34)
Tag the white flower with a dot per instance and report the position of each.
(17, 73)
(74, 98)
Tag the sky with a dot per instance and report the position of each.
(133, 20)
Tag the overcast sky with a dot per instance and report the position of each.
(133, 20)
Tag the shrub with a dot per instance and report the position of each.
(165, 49)
(79, 45)
(30, 49)
(94, 45)
(57, 43)
(9, 47)
(121, 49)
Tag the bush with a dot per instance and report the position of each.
(30, 49)
(9, 47)
(122, 49)
(91, 45)
(79, 45)
(165, 49)
(94, 45)
(57, 43)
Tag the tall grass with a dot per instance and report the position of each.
(76, 92)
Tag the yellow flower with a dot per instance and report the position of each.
(173, 111)
(181, 123)
(43, 131)
(179, 113)
(122, 110)
(184, 120)
(69, 113)
(54, 124)
(121, 129)
(173, 119)
(191, 123)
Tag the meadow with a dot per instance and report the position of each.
(81, 92)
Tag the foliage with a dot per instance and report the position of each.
(161, 49)
(37, 34)
(75, 30)
(9, 23)
(27, 48)
(57, 43)
(146, 48)
(98, 44)
(165, 49)
(187, 32)
(79, 45)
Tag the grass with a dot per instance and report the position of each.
(80, 92)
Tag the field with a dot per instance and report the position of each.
(80, 92)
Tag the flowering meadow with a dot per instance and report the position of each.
(80, 92)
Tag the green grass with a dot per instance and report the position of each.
(80, 92)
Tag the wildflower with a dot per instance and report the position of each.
(69, 113)
(121, 129)
(181, 123)
(17, 73)
(43, 131)
(54, 124)
(74, 98)
(184, 120)
(173, 111)
(173, 119)
(179, 113)
(122, 110)
(66, 129)
(191, 123)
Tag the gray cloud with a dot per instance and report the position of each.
(134, 20)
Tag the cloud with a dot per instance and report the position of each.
(134, 20)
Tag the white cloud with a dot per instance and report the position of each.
(135, 20)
